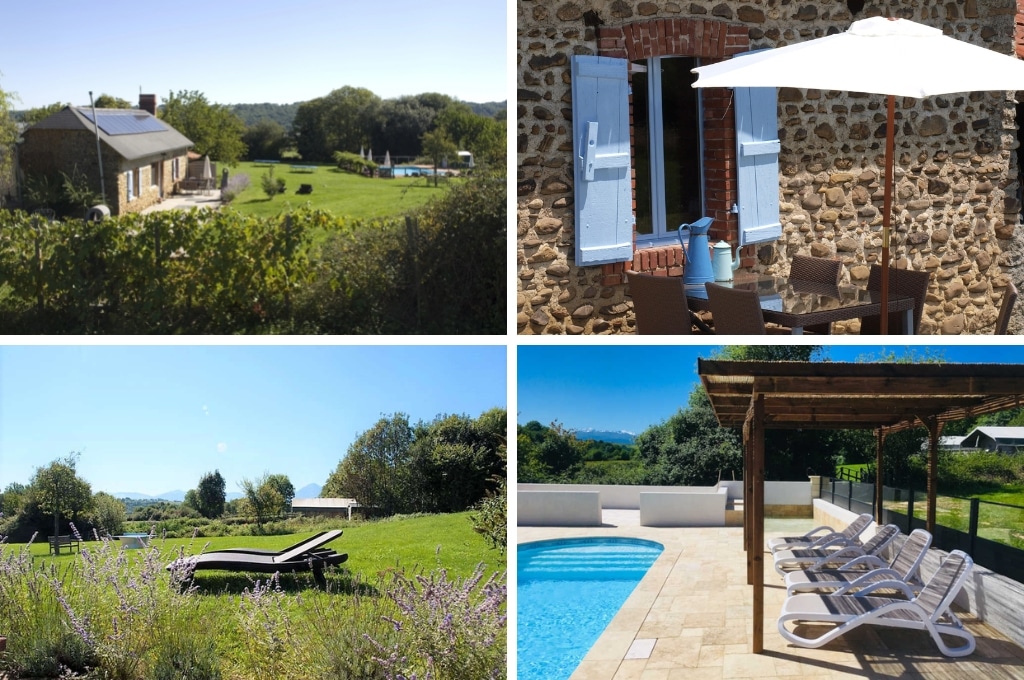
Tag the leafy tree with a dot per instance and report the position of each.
(375, 470)
(210, 495)
(107, 514)
(109, 101)
(60, 492)
(191, 500)
(401, 122)
(213, 128)
(482, 135)
(690, 449)
(548, 454)
(265, 140)
(342, 121)
(8, 137)
(452, 461)
(769, 352)
(284, 487)
(437, 145)
(33, 116)
(262, 500)
(12, 498)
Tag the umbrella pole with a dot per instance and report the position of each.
(890, 160)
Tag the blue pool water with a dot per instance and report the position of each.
(412, 171)
(568, 592)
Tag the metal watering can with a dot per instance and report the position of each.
(722, 262)
(694, 238)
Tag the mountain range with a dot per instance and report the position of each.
(614, 437)
(177, 496)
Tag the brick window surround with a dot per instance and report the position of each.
(711, 41)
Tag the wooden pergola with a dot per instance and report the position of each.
(886, 398)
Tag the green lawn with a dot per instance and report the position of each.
(139, 629)
(425, 541)
(343, 194)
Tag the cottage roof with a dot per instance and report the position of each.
(133, 133)
(999, 433)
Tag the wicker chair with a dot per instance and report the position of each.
(659, 303)
(1009, 299)
(735, 311)
(819, 270)
(901, 282)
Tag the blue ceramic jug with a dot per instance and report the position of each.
(694, 238)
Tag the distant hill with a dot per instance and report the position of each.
(616, 437)
(175, 496)
(309, 491)
(488, 109)
(282, 114)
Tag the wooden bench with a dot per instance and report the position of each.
(58, 542)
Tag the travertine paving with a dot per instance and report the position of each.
(690, 618)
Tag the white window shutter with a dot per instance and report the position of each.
(757, 155)
(131, 190)
(600, 129)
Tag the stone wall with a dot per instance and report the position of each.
(49, 152)
(956, 179)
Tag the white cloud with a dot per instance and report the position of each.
(222, 447)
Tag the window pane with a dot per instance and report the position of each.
(642, 151)
(681, 135)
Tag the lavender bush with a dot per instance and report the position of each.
(236, 185)
(113, 614)
(447, 629)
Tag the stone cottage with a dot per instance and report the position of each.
(957, 189)
(143, 157)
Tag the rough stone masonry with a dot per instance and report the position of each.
(957, 188)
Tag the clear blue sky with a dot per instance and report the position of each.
(153, 419)
(631, 387)
(252, 51)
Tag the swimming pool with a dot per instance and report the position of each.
(568, 592)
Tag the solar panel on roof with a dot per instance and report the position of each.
(125, 122)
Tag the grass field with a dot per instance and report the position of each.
(427, 542)
(129, 624)
(341, 193)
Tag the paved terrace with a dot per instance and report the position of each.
(695, 605)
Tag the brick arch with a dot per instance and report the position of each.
(711, 41)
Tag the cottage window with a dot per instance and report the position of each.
(668, 153)
(175, 170)
(154, 174)
(131, 186)
(666, 148)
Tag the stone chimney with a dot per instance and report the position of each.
(147, 102)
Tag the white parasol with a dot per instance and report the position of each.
(387, 159)
(894, 57)
(369, 154)
(361, 155)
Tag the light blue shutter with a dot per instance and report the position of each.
(600, 129)
(757, 151)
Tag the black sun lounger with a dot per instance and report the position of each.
(307, 555)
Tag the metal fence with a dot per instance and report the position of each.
(990, 532)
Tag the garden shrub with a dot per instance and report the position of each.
(491, 517)
(222, 272)
(236, 185)
(354, 163)
(272, 186)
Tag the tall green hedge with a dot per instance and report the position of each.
(305, 271)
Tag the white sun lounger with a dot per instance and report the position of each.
(837, 557)
(822, 536)
(928, 610)
(867, 570)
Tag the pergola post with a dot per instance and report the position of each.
(878, 476)
(757, 514)
(934, 427)
(748, 499)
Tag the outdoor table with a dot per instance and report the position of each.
(133, 541)
(796, 303)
